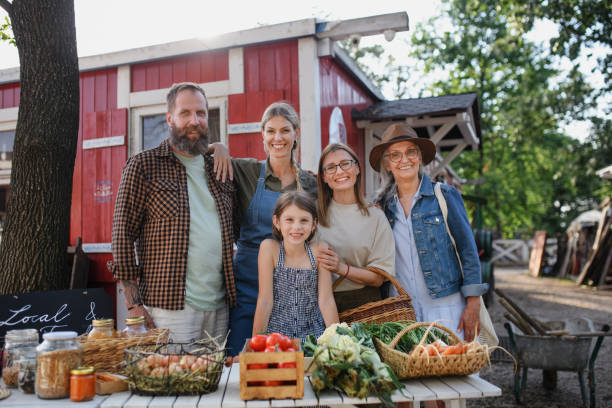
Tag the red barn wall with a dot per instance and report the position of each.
(199, 68)
(339, 88)
(270, 75)
(94, 169)
(9, 95)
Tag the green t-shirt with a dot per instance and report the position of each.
(204, 287)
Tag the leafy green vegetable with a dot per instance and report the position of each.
(388, 330)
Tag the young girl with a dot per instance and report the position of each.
(295, 296)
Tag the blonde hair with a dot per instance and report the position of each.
(286, 111)
(325, 193)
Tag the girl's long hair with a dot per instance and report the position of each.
(326, 193)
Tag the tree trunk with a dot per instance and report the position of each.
(35, 238)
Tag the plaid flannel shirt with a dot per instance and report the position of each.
(151, 227)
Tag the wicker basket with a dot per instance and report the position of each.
(392, 309)
(106, 355)
(408, 366)
(174, 368)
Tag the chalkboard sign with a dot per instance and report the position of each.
(54, 310)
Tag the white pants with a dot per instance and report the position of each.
(192, 324)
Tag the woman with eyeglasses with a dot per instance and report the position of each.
(358, 234)
(426, 263)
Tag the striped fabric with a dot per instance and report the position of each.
(152, 216)
(295, 312)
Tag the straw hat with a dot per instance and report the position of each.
(399, 132)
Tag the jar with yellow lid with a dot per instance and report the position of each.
(82, 384)
(102, 329)
(135, 327)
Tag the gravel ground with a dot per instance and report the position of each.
(551, 299)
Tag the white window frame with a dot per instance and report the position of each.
(137, 113)
(8, 122)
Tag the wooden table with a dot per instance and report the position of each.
(455, 390)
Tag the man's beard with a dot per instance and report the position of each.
(180, 141)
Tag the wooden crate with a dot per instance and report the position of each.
(251, 380)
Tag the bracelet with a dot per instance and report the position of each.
(134, 306)
(348, 269)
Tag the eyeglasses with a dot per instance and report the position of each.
(396, 156)
(344, 165)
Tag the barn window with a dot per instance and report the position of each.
(7, 139)
(155, 129)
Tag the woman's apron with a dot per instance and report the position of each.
(255, 227)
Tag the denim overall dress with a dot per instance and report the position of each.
(255, 227)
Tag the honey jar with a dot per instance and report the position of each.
(102, 329)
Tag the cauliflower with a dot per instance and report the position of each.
(331, 330)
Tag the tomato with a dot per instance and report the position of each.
(271, 349)
(285, 342)
(287, 365)
(272, 383)
(257, 366)
(258, 342)
(255, 383)
(290, 349)
(274, 339)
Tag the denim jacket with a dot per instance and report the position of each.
(437, 256)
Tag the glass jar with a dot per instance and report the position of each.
(57, 355)
(135, 327)
(15, 342)
(102, 329)
(27, 371)
(82, 384)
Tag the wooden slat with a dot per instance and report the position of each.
(310, 398)
(163, 402)
(116, 400)
(214, 399)
(231, 398)
(442, 391)
(419, 391)
(459, 384)
(186, 401)
(487, 389)
(257, 403)
(138, 401)
(328, 397)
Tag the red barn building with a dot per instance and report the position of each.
(123, 106)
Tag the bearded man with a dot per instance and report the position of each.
(172, 228)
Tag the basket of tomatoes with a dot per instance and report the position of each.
(271, 367)
(174, 368)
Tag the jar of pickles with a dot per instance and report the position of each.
(135, 327)
(82, 384)
(16, 342)
(57, 355)
(102, 329)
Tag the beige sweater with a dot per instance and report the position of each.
(362, 241)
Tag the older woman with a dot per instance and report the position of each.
(359, 234)
(426, 263)
(258, 185)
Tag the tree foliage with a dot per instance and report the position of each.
(536, 176)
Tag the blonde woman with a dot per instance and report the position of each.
(258, 185)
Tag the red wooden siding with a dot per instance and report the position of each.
(199, 68)
(339, 88)
(270, 75)
(91, 219)
(9, 95)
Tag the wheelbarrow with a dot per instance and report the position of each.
(571, 349)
